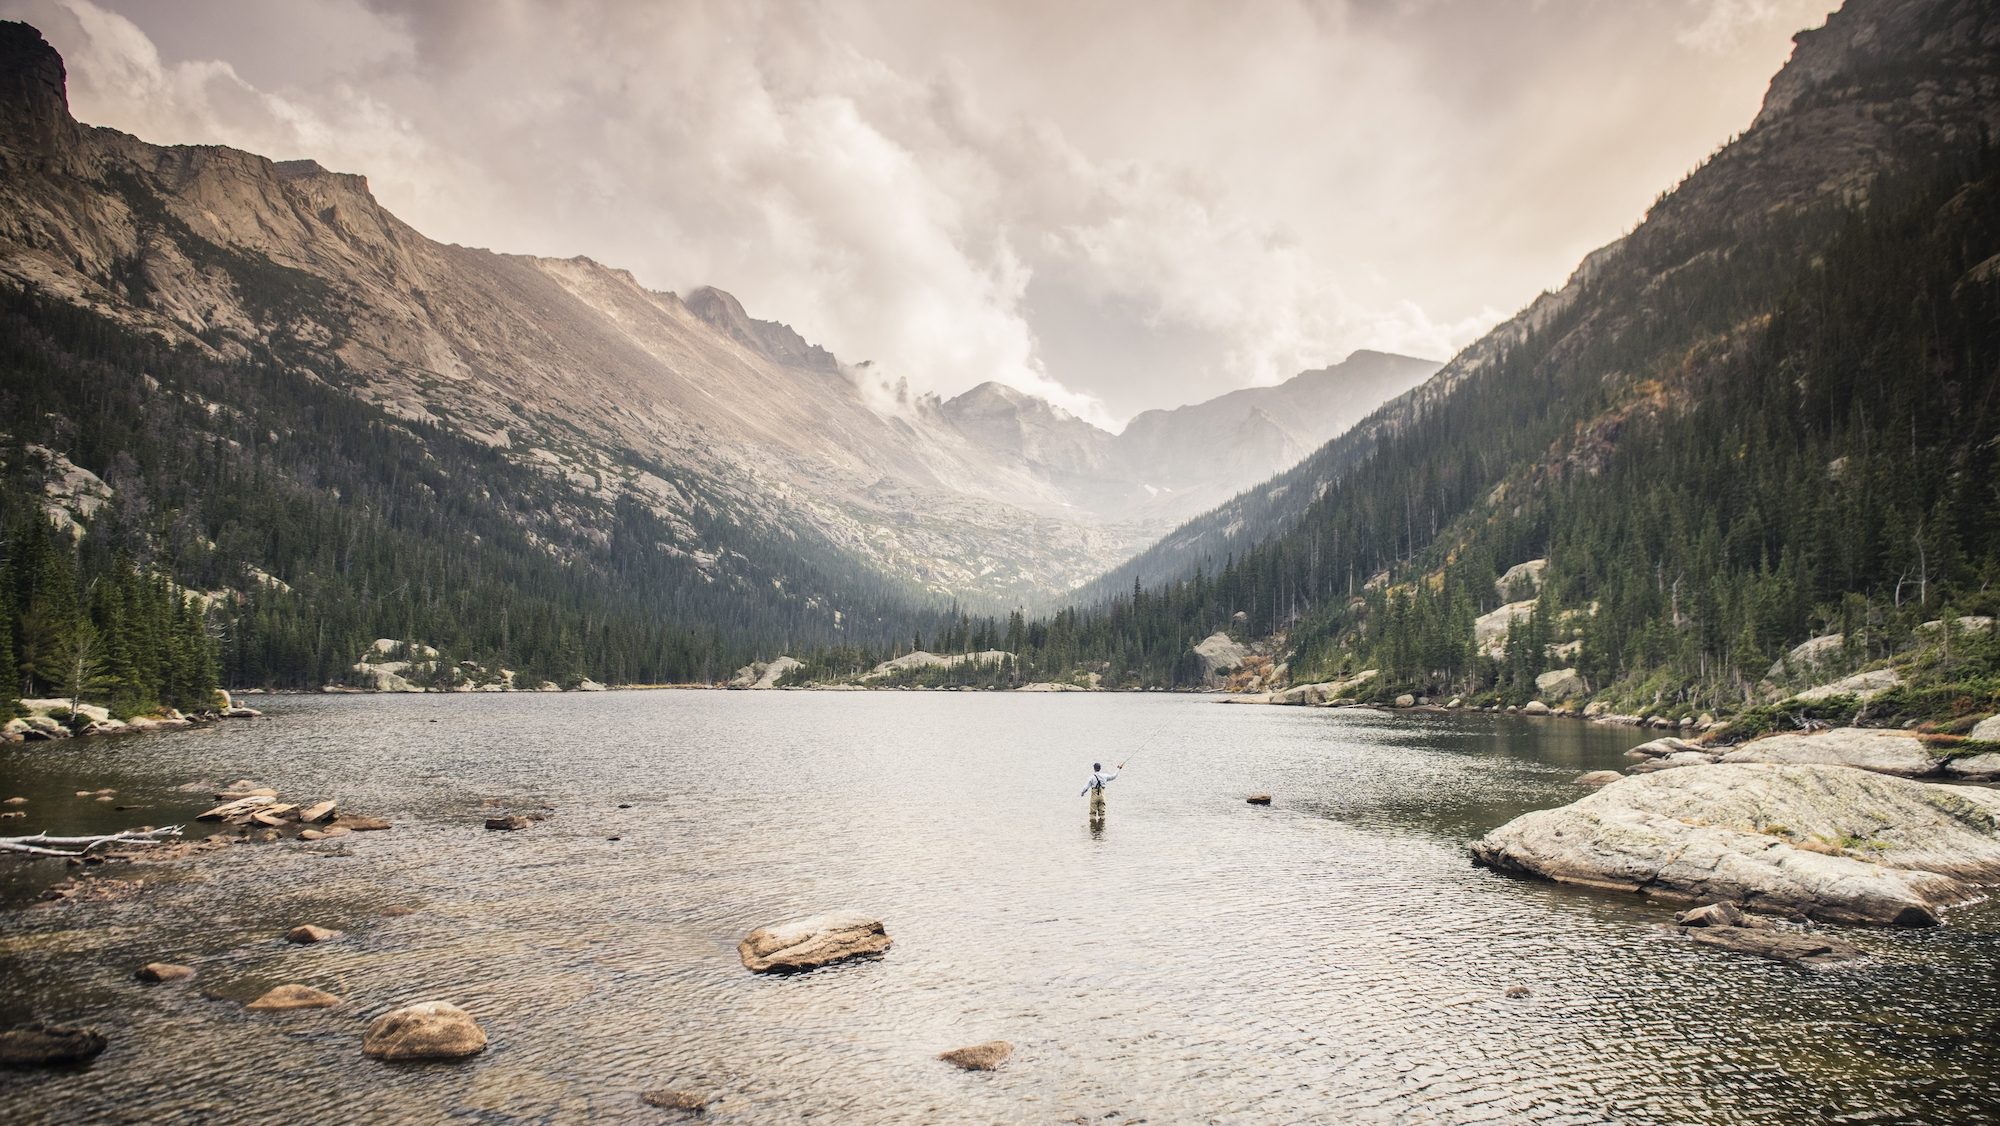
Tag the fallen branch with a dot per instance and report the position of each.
(37, 845)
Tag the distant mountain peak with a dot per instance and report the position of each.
(770, 339)
(994, 395)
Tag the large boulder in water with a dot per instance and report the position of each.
(1865, 748)
(804, 944)
(1825, 842)
(428, 1030)
(41, 1045)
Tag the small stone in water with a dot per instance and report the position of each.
(979, 1057)
(1516, 992)
(285, 998)
(396, 912)
(163, 971)
(16, 801)
(507, 824)
(309, 934)
(1259, 799)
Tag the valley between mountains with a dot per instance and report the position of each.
(244, 378)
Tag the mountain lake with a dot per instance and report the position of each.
(1190, 958)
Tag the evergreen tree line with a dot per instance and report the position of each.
(1736, 438)
(321, 523)
(90, 627)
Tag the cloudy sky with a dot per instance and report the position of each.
(1119, 204)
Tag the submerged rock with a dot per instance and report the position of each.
(819, 940)
(1826, 842)
(427, 1030)
(1258, 799)
(1784, 944)
(353, 823)
(508, 824)
(979, 1057)
(41, 1045)
(1885, 752)
(285, 998)
(1598, 778)
(163, 971)
(667, 1098)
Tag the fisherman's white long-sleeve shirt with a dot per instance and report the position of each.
(1098, 780)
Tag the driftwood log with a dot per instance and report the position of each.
(41, 844)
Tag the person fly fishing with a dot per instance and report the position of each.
(1095, 787)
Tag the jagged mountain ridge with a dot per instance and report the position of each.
(1840, 112)
(568, 366)
(1168, 464)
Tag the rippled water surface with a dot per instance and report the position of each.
(1195, 959)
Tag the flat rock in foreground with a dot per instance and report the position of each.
(1827, 842)
(804, 944)
(1864, 748)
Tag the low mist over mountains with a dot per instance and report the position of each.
(1171, 464)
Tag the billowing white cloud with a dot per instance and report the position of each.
(1115, 206)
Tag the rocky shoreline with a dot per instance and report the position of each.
(42, 725)
(1850, 825)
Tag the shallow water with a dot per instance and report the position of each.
(1195, 959)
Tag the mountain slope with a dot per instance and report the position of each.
(1883, 80)
(566, 367)
(1770, 411)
